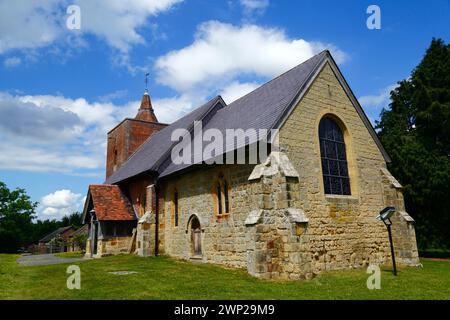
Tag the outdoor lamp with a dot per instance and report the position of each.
(92, 212)
(385, 216)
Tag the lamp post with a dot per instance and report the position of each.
(385, 216)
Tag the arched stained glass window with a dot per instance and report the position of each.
(334, 158)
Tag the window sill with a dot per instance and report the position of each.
(332, 197)
(222, 216)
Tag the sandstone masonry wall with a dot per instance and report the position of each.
(223, 238)
(342, 230)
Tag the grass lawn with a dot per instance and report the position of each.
(166, 278)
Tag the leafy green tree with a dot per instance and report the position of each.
(42, 228)
(415, 131)
(73, 220)
(16, 214)
(80, 240)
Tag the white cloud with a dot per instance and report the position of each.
(59, 204)
(60, 199)
(223, 51)
(113, 96)
(378, 100)
(47, 133)
(222, 55)
(118, 21)
(237, 90)
(12, 62)
(252, 6)
(21, 118)
(28, 24)
(373, 104)
(37, 158)
(169, 109)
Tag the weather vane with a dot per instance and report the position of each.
(146, 80)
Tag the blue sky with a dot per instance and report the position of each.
(61, 90)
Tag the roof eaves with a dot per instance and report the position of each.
(86, 205)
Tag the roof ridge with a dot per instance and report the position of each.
(281, 75)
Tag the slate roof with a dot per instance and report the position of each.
(263, 108)
(55, 234)
(147, 156)
(260, 109)
(109, 203)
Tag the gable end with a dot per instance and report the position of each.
(304, 89)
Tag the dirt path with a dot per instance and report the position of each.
(45, 259)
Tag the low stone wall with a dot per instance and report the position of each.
(109, 246)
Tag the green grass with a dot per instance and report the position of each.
(73, 254)
(166, 278)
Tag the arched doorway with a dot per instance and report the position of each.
(196, 237)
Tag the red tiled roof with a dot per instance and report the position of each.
(110, 204)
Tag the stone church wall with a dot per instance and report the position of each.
(223, 237)
(281, 224)
(343, 231)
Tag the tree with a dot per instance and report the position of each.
(80, 240)
(42, 228)
(73, 220)
(415, 131)
(16, 214)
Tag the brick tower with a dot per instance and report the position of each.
(128, 135)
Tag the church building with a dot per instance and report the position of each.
(309, 205)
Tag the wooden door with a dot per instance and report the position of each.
(197, 242)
